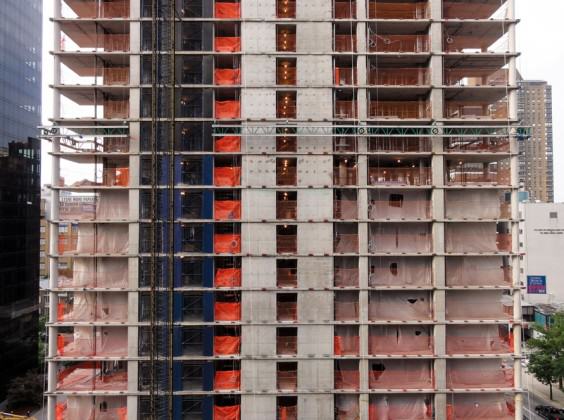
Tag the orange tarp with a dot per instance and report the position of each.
(227, 243)
(227, 379)
(226, 344)
(227, 311)
(227, 109)
(227, 43)
(60, 343)
(227, 10)
(228, 277)
(227, 76)
(227, 210)
(60, 411)
(342, 347)
(232, 412)
(227, 176)
(288, 413)
(228, 144)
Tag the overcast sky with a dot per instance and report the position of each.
(539, 39)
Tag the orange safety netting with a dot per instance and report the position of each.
(345, 310)
(228, 277)
(227, 243)
(228, 144)
(102, 408)
(116, 177)
(84, 341)
(347, 407)
(346, 277)
(399, 340)
(401, 374)
(345, 243)
(399, 271)
(230, 412)
(60, 411)
(226, 344)
(479, 374)
(227, 43)
(288, 412)
(347, 379)
(346, 345)
(227, 109)
(399, 306)
(227, 176)
(86, 376)
(227, 10)
(227, 311)
(227, 76)
(227, 379)
(227, 210)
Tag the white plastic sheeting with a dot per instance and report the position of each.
(100, 272)
(478, 305)
(113, 205)
(110, 239)
(479, 373)
(399, 306)
(400, 374)
(400, 339)
(392, 204)
(477, 339)
(102, 341)
(473, 204)
(481, 407)
(399, 271)
(96, 306)
(394, 407)
(406, 237)
(477, 271)
(471, 237)
(347, 407)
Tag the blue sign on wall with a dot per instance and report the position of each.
(536, 285)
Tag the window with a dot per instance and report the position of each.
(553, 215)
(285, 37)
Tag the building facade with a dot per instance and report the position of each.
(536, 172)
(20, 112)
(303, 210)
(541, 238)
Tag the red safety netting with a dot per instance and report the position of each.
(227, 243)
(227, 10)
(227, 43)
(288, 413)
(400, 340)
(229, 412)
(400, 374)
(84, 342)
(227, 76)
(478, 339)
(400, 271)
(227, 109)
(477, 271)
(226, 345)
(228, 277)
(393, 407)
(475, 237)
(399, 306)
(228, 144)
(88, 272)
(287, 380)
(478, 305)
(480, 407)
(102, 408)
(397, 204)
(227, 311)
(346, 277)
(346, 345)
(386, 238)
(485, 204)
(227, 380)
(88, 376)
(346, 306)
(347, 407)
(347, 379)
(227, 176)
(227, 210)
(479, 374)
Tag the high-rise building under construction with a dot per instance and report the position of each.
(303, 209)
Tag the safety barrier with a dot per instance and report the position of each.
(227, 311)
(228, 144)
(345, 243)
(345, 277)
(228, 277)
(225, 10)
(226, 345)
(227, 76)
(226, 380)
(286, 311)
(399, 306)
(227, 43)
(227, 109)
(346, 345)
(227, 176)
(227, 210)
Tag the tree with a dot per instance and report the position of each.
(26, 390)
(546, 361)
